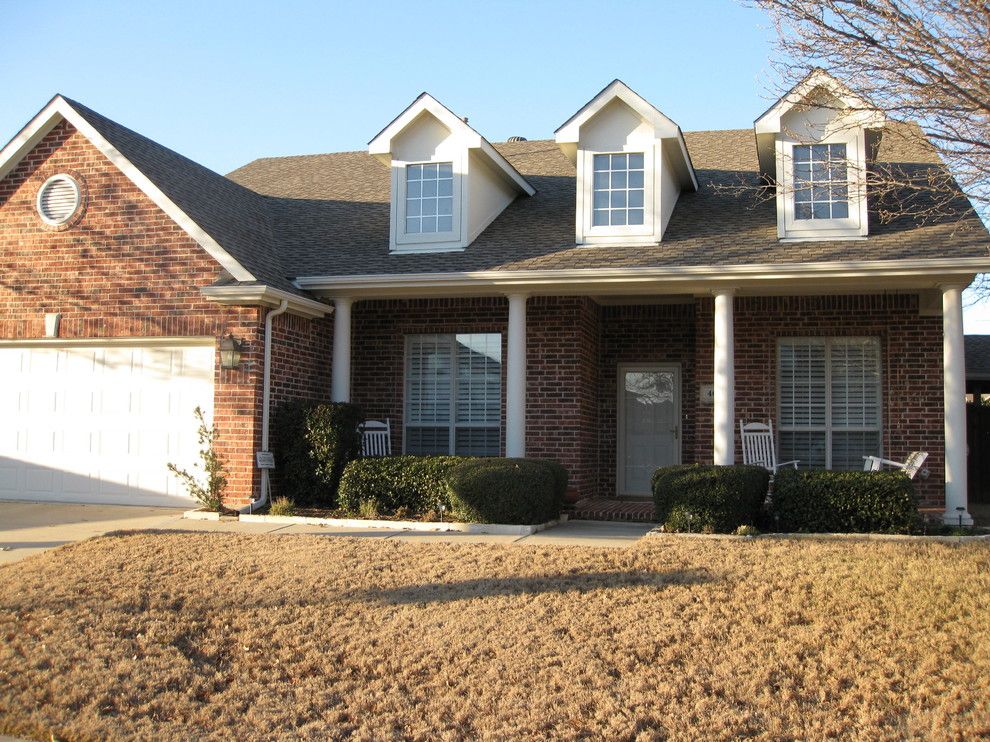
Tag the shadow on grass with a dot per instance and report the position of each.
(488, 587)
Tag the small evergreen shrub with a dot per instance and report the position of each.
(819, 501)
(282, 506)
(313, 443)
(560, 476)
(709, 499)
(497, 490)
(478, 490)
(416, 483)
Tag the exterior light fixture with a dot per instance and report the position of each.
(230, 352)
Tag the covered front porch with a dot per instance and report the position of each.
(615, 384)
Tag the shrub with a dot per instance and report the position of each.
(480, 490)
(496, 490)
(282, 506)
(388, 483)
(709, 499)
(313, 444)
(209, 495)
(818, 501)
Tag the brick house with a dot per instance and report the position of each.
(618, 297)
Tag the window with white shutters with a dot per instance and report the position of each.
(453, 394)
(829, 401)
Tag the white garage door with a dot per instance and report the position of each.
(87, 423)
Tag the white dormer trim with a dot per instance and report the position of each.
(602, 128)
(853, 116)
(467, 150)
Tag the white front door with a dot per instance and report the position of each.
(649, 416)
(99, 423)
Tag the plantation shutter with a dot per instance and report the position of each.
(429, 384)
(829, 401)
(479, 385)
(453, 394)
(803, 401)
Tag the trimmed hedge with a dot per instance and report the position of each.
(517, 491)
(312, 444)
(414, 483)
(819, 501)
(709, 499)
(478, 490)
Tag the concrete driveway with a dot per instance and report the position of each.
(28, 528)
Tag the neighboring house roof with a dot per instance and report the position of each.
(331, 216)
(978, 357)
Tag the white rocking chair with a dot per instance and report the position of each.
(758, 446)
(376, 438)
(911, 467)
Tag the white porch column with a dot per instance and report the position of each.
(515, 379)
(954, 370)
(340, 369)
(725, 382)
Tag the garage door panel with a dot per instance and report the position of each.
(100, 423)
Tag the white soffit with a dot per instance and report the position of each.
(381, 146)
(568, 134)
(57, 110)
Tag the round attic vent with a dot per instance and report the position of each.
(58, 199)
(518, 139)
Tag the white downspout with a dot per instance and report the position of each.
(266, 393)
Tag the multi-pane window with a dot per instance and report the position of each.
(829, 401)
(821, 184)
(429, 198)
(453, 394)
(618, 190)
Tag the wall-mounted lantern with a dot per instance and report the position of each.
(230, 352)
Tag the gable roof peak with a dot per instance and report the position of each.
(381, 144)
(769, 122)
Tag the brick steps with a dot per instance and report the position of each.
(593, 508)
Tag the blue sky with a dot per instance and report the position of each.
(227, 82)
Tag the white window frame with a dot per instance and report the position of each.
(828, 428)
(645, 232)
(855, 225)
(453, 424)
(428, 241)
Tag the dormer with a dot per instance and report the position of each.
(812, 145)
(632, 165)
(448, 182)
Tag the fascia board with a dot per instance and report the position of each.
(265, 296)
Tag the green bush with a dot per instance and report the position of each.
(560, 476)
(312, 444)
(709, 499)
(818, 501)
(477, 490)
(388, 483)
(496, 490)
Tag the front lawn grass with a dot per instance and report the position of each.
(217, 636)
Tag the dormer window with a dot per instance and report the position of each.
(430, 198)
(618, 190)
(448, 183)
(631, 165)
(812, 146)
(821, 181)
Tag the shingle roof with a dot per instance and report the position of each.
(978, 356)
(236, 217)
(331, 217)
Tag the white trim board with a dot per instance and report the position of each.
(59, 109)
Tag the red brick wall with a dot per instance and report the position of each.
(301, 358)
(911, 367)
(121, 269)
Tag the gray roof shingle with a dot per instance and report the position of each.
(331, 216)
(978, 356)
(236, 217)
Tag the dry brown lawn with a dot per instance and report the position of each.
(195, 636)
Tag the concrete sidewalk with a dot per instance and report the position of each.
(28, 528)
